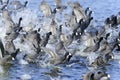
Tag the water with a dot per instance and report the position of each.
(102, 9)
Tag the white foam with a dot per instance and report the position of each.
(23, 62)
(1, 70)
(26, 77)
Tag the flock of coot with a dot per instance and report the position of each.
(59, 42)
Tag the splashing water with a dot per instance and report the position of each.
(32, 20)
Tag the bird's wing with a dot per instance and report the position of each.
(49, 51)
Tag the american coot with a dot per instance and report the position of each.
(77, 10)
(95, 47)
(96, 75)
(6, 57)
(55, 58)
(45, 8)
(59, 5)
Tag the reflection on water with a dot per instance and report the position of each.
(102, 9)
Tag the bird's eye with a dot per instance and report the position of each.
(99, 72)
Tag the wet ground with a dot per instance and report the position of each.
(102, 9)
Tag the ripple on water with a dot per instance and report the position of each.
(114, 70)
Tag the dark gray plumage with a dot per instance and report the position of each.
(45, 40)
(56, 58)
(94, 48)
(96, 75)
(5, 56)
